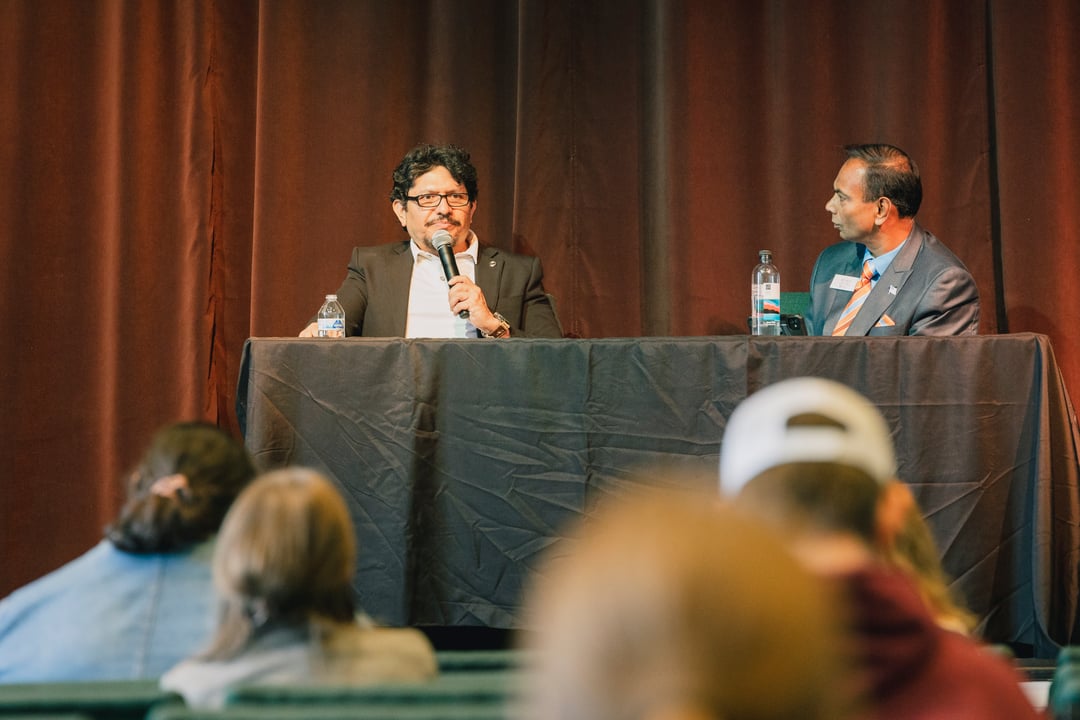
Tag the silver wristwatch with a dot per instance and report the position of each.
(503, 329)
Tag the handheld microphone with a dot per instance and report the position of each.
(444, 245)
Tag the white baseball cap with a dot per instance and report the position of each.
(764, 432)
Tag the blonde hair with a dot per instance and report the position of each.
(669, 605)
(285, 556)
(914, 551)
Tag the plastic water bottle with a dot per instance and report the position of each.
(765, 296)
(332, 318)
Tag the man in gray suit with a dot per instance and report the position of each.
(889, 276)
(401, 290)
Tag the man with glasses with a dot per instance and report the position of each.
(401, 290)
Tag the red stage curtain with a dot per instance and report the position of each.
(178, 176)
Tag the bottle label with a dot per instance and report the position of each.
(333, 327)
(767, 301)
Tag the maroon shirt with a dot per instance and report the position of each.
(916, 670)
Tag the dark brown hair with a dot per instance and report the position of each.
(214, 467)
(890, 173)
(425, 158)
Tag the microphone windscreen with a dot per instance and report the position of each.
(442, 239)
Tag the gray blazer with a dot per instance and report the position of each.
(375, 292)
(925, 291)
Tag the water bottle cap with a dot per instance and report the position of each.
(331, 297)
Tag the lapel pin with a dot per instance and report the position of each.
(892, 289)
(491, 263)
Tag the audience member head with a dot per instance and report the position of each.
(673, 606)
(912, 549)
(815, 460)
(890, 173)
(181, 489)
(285, 557)
(425, 158)
(811, 456)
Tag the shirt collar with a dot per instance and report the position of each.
(881, 263)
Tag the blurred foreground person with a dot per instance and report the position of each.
(142, 598)
(671, 607)
(283, 568)
(815, 460)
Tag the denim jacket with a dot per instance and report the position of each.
(108, 615)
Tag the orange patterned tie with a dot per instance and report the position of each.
(858, 297)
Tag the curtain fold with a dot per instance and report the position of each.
(1037, 146)
(104, 234)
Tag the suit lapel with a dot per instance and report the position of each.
(489, 268)
(839, 298)
(400, 283)
(882, 296)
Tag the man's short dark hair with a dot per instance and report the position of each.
(890, 173)
(425, 158)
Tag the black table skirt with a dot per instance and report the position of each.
(463, 461)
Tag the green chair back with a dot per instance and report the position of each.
(794, 303)
(345, 711)
(98, 700)
(493, 687)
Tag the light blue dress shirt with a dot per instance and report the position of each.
(882, 262)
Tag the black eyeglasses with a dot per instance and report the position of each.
(432, 200)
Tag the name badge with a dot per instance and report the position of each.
(844, 282)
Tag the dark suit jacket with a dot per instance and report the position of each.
(375, 292)
(925, 291)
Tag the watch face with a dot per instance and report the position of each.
(504, 327)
